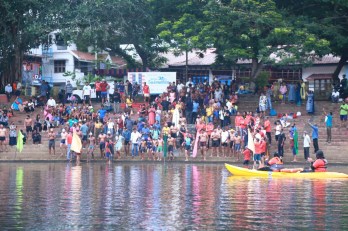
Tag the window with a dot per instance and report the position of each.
(59, 66)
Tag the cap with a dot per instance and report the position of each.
(63, 130)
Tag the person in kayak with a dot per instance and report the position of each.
(320, 164)
(276, 163)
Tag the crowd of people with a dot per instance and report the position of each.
(188, 119)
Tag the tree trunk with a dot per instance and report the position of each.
(341, 63)
(143, 55)
(256, 68)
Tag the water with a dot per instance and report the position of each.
(142, 196)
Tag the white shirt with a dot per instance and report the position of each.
(8, 88)
(179, 87)
(335, 94)
(86, 90)
(229, 105)
(51, 103)
(224, 136)
(278, 128)
(306, 141)
(111, 125)
(134, 137)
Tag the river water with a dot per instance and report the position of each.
(174, 196)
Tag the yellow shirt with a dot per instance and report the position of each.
(129, 102)
(166, 130)
(209, 111)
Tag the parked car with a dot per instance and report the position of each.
(79, 93)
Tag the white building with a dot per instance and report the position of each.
(60, 59)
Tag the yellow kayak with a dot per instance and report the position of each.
(238, 171)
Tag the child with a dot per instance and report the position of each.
(143, 148)
(118, 146)
(91, 146)
(247, 155)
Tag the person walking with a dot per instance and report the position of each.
(315, 136)
(281, 141)
(306, 145)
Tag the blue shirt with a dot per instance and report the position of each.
(84, 129)
(102, 113)
(145, 132)
(315, 132)
(329, 121)
(195, 107)
(127, 135)
(129, 124)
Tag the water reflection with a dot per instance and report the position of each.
(163, 197)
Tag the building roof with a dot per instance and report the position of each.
(88, 57)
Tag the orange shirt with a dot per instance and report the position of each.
(146, 89)
(263, 146)
(236, 121)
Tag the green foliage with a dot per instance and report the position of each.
(262, 79)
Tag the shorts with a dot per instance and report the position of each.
(62, 141)
(173, 135)
(187, 147)
(170, 148)
(142, 149)
(262, 108)
(215, 143)
(146, 95)
(159, 149)
(91, 147)
(104, 94)
(343, 117)
(203, 144)
(102, 145)
(108, 155)
(28, 129)
(237, 147)
(246, 162)
(86, 97)
(51, 144)
(257, 157)
(126, 142)
(2, 138)
(224, 144)
(84, 138)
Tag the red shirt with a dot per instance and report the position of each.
(267, 126)
(209, 128)
(242, 123)
(247, 154)
(69, 138)
(97, 86)
(236, 121)
(258, 148)
(146, 89)
(103, 86)
(263, 146)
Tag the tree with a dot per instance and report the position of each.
(257, 30)
(325, 19)
(24, 24)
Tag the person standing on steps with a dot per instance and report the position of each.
(281, 141)
(315, 136)
(51, 141)
(343, 114)
(328, 123)
(306, 144)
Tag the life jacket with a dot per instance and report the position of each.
(275, 160)
(320, 165)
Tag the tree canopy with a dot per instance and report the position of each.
(262, 31)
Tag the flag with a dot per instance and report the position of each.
(76, 144)
(251, 144)
(20, 141)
